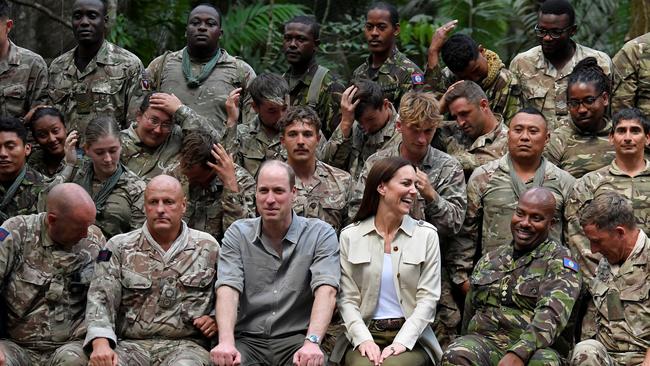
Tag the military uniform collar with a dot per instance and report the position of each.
(544, 64)
(386, 132)
(256, 129)
(537, 252)
(305, 78)
(367, 226)
(46, 241)
(101, 58)
(395, 57)
(491, 136)
(615, 170)
(14, 55)
(602, 132)
(320, 174)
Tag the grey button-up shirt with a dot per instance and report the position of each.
(276, 293)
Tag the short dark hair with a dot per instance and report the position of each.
(458, 51)
(559, 7)
(589, 72)
(209, 6)
(381, 172)
(104, 6)
(309, 21)
(197, 149)
(5, 9)
(465, 89)
(534, 111)
(13, 124)
(607, 211)
(627, 114)
(299, 113)
(390, 8)
(291, 174)
(145, 102)
(42, 112)
(369, 95)
(268, 86)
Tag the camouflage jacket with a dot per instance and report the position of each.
(139, 291)
(577, 152)
(214, 208)
(36, 161)
(326, 198)
(43, 286)
(445, 174)
(504, 96)
(209, 99)
(329, 96)
(25, 201)
(491, 201)
(632, 75)
(611, 177)
(544, 86)
(396, 76)
(451, 139)
(623, 304)
(351, 153)
(109, 85)
(23, 81)
(148, 162)
(124, 208)
(525, 303)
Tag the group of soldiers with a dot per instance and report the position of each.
(153, 213)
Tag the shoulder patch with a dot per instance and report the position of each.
(104, 255)
(571, 264)
(4, 233)
(417, 78)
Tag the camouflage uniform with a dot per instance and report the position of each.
(504, 97)
(351, 153)
(144, 300)
(36, 161)
(445, 213)
(123, 210)
(544, 86)
(517, 305)
(213, 209)
(23, 81)
(329, 96)
(623, 304)
(396, 76)
(148, 162)
(578, 152)
(109, 85)
(632, 75)
(209, 99)
(491, 201)
(44, 289)
(25, 200)
(611, 177)
(471, 154)
(326, 198)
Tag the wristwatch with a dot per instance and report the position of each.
(313, 338)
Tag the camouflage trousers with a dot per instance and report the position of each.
(476, 350)
(152, 352)
(445, 326)
(16, 355)
(593, 353)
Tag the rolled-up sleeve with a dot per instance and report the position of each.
(231, 267)
(325, 268)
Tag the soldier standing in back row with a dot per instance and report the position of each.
(632, 75)
(96, 78)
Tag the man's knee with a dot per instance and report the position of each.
(188, 356)
(589, 353)
(14, 354)
(71, 354)
(545, 357)
(468, 350)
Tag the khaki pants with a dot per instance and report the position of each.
(269, 351)
(416, 357)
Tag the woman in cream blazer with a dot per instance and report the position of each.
(387, 311)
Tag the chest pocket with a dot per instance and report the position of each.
(486, 286)
(526, 292)
(197, 293)
(106, 91)
(136, 288)
(635, 301)
(410, 268)
(27, 286)
(359, 256)
(14, 99)
(252, 159)
(199, 279)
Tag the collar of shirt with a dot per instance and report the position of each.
(304, 79)
(544, 64)
(292, 235)
(602, 132)
(177, 246)
(385, 133)
(491, 136)
(615, 170)
(367, 226)
(385, 68)
(14, 57)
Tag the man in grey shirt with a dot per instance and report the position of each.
(282, 272)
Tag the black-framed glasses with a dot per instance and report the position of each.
(554, 33)
(587, 102)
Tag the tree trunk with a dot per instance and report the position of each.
(640, 12)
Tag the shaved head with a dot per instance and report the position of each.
(164, 182)
(541, 197)
(68, 198)
(70, 212)
(533, 218)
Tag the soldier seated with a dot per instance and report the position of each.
(521, 294)
(153, 290)
(621, 285)
(277, 282)
(46, 264)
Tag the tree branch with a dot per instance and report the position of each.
(44, 10)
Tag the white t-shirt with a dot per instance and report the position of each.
(388, 304)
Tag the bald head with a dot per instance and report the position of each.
(533, 218)
(68, 198)
(164, 206)
(164, 182)
(541, 197)
(70, 212)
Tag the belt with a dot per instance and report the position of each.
(386, 324)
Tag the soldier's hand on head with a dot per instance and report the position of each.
(102, 354)
(225, 354)
(511, 359)
(169, 103)
(424, 186)
(443, 103)
(224, 167)
(347, 109)
(438, 39)
(371, 350)
(31, 112)
(70, 148)
(207, 325)
(309, 354)
(232, 107)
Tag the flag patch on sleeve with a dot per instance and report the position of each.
(104, 255)
(417, 78)
(571, 264)
(3, 234)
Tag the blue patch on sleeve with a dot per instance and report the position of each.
(571, 264)
(3, 234)
(417, 78)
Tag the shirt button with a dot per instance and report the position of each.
(313, 205)
(395, 248)
(398, 275)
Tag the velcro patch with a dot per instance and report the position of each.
(571, 264)
(4, 233)
(417, 78)
(104, 255)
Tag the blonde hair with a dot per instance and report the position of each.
(419, 108)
